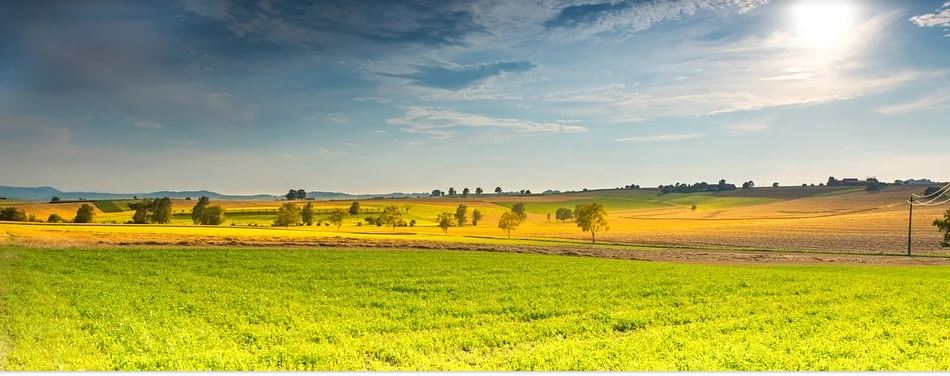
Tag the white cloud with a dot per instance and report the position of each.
(939, 18)
(745, 128)
(145, 124)
(661, 138)
(924, 103)
(440, 122)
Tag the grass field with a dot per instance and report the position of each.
(241, 309)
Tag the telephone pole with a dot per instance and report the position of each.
(910, 224)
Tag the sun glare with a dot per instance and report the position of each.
(822, 24)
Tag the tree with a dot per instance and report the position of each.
(306, 215)
(55, 218)
(212, 215)
(445, 221)
(476, 216)
(12, 214)
(203, 203)
(478, 191)
(527, 191)
(461, 214)
(451, 191)
(944, 225)
(775, 185)
(509, 222)
(465, 192)
(337, 216)
(355, 208)
(564, 214)
(832, 182)
(391, 216)
(162, 211)
(518, 209)
(436, 193)
(288, 214)
(748, 185)
(54, 199)
(591, 218)
(296, 194)
(85, 214)
(549, 217)
(497, 190)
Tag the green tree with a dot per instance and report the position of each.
(355, 208)
(85, 214)
(55, 199)
(55, 218)
(465, 192)
(12, 214)
(162, 211)
(307, 214)
(944, 225)
(391, 216)
(202, 203)
(287, 215)
(509, 222)
(461, 214)
(564, 214)
(337, 216)
(497, 190)
(445, 221)
(451, 191)
(212, 215)
(591, 218)
(478, 191)
(476, 216)
(518, 209)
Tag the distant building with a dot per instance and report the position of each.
(917, 182)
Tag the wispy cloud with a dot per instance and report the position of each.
(939, 18)
(633, 15)
(459, 76)
(145, 124)
(440, 122)
(672, 137)
(745, 128)
(919, 104)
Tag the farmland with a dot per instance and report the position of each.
(765, 279)
(787, 219)
(232, 308)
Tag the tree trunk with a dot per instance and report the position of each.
(592, 241)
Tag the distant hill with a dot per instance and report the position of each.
(47, 193)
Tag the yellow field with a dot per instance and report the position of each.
(783, 219)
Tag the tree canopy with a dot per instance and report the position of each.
(85, 214)
(944, 226)
(591, 218)
(476, 216)
(287, 215)
(461, 214)
(444, 220)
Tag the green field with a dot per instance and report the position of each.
(644, 200)
(238, 309)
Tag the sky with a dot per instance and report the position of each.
(371, 96)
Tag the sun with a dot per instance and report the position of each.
(822, 24)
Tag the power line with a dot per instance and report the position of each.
(937, 193)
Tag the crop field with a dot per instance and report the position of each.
(825, 219)
(355, 309)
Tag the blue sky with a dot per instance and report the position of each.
(380, 96)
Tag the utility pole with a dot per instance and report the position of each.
(910, 223)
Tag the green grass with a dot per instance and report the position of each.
(238, 309)
(112, 206)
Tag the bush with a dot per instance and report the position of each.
(55, 218)
(85, 214)
(212, 215)
(12, 214)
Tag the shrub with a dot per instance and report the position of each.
(85, 214)
(212, 215)
(55, 218)
(12, 214)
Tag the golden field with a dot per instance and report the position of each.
(824, 219)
